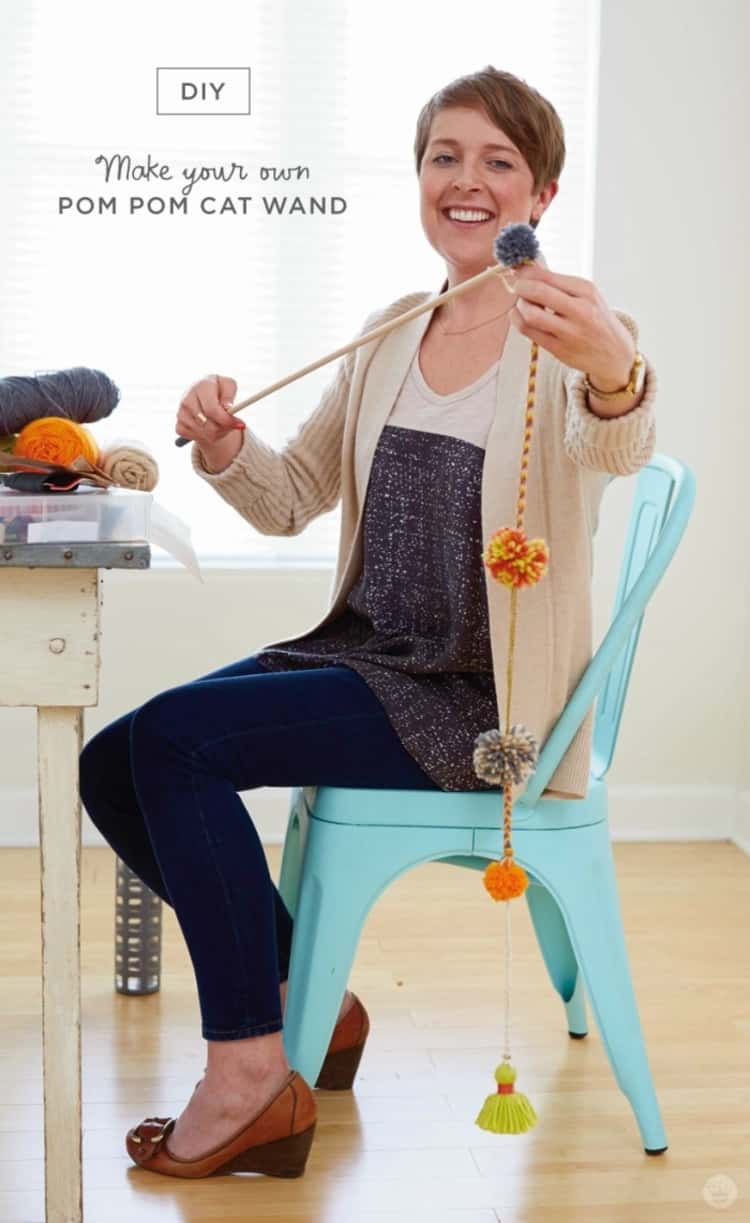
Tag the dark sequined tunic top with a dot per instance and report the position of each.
(415, 626)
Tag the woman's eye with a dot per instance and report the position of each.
(495, 161)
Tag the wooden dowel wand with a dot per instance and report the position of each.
(497, 269)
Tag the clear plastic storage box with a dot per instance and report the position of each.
(119, 514)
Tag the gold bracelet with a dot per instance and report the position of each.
(624, 391)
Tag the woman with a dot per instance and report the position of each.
(407, 666)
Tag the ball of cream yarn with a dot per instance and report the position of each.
(130, 465)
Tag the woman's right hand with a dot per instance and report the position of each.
(202, 415)
(219, 435)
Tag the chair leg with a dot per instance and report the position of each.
(559, 957)
(346, 868)
(293, 852)
(323, 951)
(577, 867)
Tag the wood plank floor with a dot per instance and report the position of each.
(403, 1145)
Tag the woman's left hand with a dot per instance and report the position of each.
(578, 327)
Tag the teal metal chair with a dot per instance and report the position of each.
(345, 845)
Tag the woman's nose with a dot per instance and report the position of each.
(464, 181)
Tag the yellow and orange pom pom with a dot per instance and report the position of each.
(55, 439)
(505, 880)
(515, 560)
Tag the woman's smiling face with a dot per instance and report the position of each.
(469, 163)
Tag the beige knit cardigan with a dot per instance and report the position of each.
(573, 456)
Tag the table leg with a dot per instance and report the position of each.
(59, 744)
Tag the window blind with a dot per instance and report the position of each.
(160, 300)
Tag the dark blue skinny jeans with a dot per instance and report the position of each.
(161, 784)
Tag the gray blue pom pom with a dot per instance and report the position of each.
(505, 759)
(515, 244)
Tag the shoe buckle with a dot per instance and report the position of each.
(155, 1138)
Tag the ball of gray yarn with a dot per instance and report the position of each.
(515, 244)
(79, 394)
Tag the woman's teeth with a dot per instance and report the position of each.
(467, 216)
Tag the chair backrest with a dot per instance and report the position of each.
(662, 504)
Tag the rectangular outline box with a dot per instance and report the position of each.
(195, 114)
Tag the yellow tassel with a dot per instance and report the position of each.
(506, 1111)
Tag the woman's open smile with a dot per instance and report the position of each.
(468, 218)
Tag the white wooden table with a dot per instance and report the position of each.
(50, 597)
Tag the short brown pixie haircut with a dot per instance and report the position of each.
(520, 111)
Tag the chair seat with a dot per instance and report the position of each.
(468, 809)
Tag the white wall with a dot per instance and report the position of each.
(670, 241)
(671, 182)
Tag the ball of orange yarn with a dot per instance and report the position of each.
(515, 560)
(55, 439)
(505, 880)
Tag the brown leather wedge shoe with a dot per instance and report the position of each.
(276, 1141)
(345, 1050)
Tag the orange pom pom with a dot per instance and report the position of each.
(55, 439)
(515, 560)
(505, 880)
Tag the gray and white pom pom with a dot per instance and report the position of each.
(505, 759)
(515, 244)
